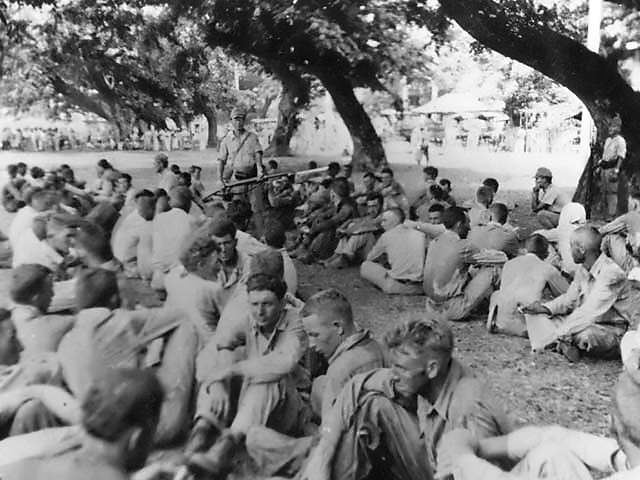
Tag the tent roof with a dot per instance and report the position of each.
(458, 103)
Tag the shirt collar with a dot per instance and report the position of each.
(444, 398)
(348, 344)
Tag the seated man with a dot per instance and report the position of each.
(546, 199)
(31, 291)
(445, 184)
(391, 421)
(453, 291)
(328, 321)
(274, 236)
(479, 212)
(405, 250)
(358, 236)
(283, 200)
(274, 342)
(105, 336)
(495, 235)
(524, 281)
(622, 235)
(132, 239)
(119, 417)
(170, 231)
(369, 185)
(392, 192)
(193, 288)
(430, 178)
(320, 241)
(553, 451)
(594, 313)
(37, 202)
(13, 192)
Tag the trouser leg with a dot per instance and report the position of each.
(548, 219)
(478, 289)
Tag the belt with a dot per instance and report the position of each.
(246, 174)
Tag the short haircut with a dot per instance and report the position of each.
(492, 183)
(273, 164)
(196, 168)
(261, 282)
(96, 287)
(119, 399)
(436, 207)
(445, 182)
(22, 165)
(239, 212)
(370, 175)
(398, 212)
(12, 170)
(452, 216)
(387, 170)
(175, 169)
(538, 245)
(144, 193)
(180, 197)
(313, 165)
(160, 192)
(431, 172)
(500, 212)
(104, 163)
(341, 187)
(332, 302)
(95, 241)
(162, 159)
(127, 177)
(222, 226)
(422, 336)
(333, 167)
(484, 195)
(197, 251)
(36, 172)
(436, 192)
(274, 234)
(27, 280)
(186, 178)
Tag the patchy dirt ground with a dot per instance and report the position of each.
(535, 388)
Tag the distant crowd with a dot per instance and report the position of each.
(56, 140)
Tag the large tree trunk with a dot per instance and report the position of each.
(368, 150)
(295, 95)
(210, 114)
(525, 36)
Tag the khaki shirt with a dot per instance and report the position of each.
(405, 249)
(494, 236)
(238, 153)
(553, 197)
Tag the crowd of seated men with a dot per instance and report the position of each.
(147, 318)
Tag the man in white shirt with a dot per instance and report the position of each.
(167, 179)
(38, 201)
(132, 240)
(170, 231)
(405, 248)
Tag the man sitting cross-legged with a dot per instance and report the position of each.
(495, 235)
(524, 281)
(119, 418)
(357, 237)
(622, 235)
(388, 423)
(594, 313)
(274, 342)
(454, 290)
(105, 336)
(328, 321)
(132, 238)
(405, 251)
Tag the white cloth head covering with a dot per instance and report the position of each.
(572, 216)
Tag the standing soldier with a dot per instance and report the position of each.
(240, 158)
(615, 150)
(420, 142)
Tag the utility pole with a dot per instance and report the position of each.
(593, 44)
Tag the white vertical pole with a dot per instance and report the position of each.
(593, 44)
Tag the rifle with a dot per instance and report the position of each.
(227, 189)
(297, 177)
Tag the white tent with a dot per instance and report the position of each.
(458, 103)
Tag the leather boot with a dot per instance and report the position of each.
(217, 460)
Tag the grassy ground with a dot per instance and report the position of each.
(535, 388)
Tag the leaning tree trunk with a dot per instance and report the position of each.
(525, 36)
(295, 95)
(368, 150)
(212, 122)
